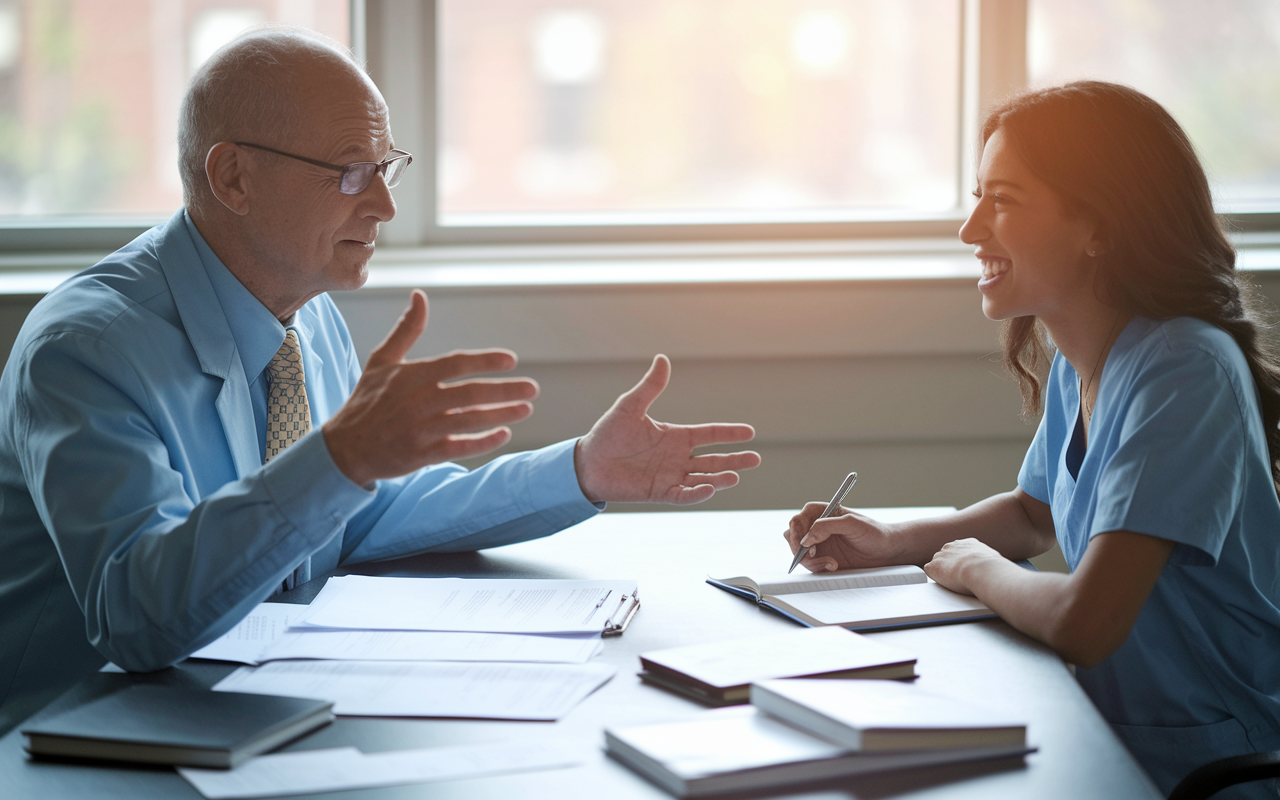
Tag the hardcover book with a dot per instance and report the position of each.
(720, 673)
(879, 716)
(742, 748)
(170, 725)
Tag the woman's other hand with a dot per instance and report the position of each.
(949, 565)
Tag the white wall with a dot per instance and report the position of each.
(897, 380)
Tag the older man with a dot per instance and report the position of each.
(187, 431)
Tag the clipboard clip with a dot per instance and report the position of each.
(628, 605)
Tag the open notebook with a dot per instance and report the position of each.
(858, 599)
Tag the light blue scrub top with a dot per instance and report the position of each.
(137, 520)
(1176, 450)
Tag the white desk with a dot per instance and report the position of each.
(671, 554)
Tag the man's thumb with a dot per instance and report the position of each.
(639, 397)
(406, 331)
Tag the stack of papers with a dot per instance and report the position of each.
(427, 688)
(265, 636)
(437, 647)
(465, 604)
(347, 768)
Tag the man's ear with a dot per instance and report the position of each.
(227, 171)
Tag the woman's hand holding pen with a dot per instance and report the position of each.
(846, 541)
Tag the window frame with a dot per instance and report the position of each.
(397, 40)
(401, 56)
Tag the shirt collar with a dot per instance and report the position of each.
(256, 331)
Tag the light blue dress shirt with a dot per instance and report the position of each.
(137, 521)
(1176, 450)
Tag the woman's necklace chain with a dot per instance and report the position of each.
(1084, 395)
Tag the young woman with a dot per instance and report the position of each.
(1155, 463)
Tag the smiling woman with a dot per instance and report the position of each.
(1156, 463)
(1020, 219)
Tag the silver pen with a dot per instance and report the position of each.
(830, 511)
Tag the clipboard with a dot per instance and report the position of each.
(621, 617)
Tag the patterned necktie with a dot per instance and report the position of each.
(288, 415)
(288, 419)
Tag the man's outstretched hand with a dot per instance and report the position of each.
(628, 457)
(404, 415)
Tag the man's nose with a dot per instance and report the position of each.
(377, 201)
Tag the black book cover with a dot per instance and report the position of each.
(171, 725)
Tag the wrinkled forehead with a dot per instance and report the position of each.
(340, 115)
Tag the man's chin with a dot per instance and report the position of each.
(359, 277)
(352, 267)
(349, 277)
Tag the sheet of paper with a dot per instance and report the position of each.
(462, 604)
(263, 636)
(245, 642)
(885, 602)
(341, 768)
(428, 688)
(347, 645)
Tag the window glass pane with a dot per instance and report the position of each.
(687, 106)
(89, 94)
(1214, 64)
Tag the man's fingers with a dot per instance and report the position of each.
(406, 331)
(475, 420)
(463, 363)
(720, 432)
(638, 398)
(467, 445)
(479, 393)
(716, 480)
(688, 495)
(721, 462)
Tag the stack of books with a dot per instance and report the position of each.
(721, 673)
(798, 730)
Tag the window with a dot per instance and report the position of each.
(625, 111)
(1212, 65)
(89, 95)
(633, 120)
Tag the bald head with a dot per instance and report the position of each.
(261, 87)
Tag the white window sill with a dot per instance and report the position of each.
(508, 267)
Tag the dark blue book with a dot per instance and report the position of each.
(170, 725)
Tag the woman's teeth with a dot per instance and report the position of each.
(993, 267)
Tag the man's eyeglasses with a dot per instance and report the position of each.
(355, 177)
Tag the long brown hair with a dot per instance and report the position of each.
(1117, 156)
